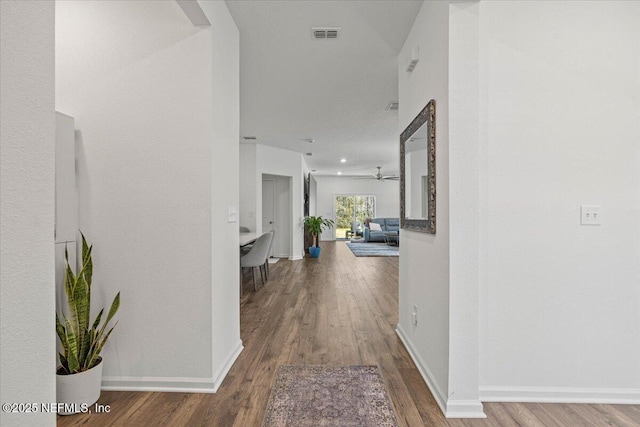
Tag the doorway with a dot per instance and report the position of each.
(350, 208)
(276, 212)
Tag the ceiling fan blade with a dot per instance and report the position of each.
(366, 177)
(390, 178)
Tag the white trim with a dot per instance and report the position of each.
(295, 257)
(629, 396)
(465, 409)
(426, 374)
(450, 408)
(172, 384)
(222, 373)
(164, 384)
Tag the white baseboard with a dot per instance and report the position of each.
(222, 373)
(629, 396)
(465, 409)
(173, 384)
(426, 374)
(450, 408)
(164, 384)
(295, 257)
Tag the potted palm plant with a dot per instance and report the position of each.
(79, 375)
(315, 225)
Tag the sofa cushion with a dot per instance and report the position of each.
(392, 224)
(374, 226)
(378, 221)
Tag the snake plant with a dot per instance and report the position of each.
(81, 342)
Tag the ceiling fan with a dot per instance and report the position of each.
(380, 177)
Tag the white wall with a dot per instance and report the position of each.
(560, 127)
(387, 196)
(156, 105)
(248, 183)
(543, 114)
(276, 161)
(463, 210)
(424, 258)
(27, 175)
(225, 116)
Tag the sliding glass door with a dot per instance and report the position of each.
(349, 208)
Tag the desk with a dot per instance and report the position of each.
(248, 238)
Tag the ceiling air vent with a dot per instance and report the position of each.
(309, 154)
(325, 33)
(392, 106)
(249, 137)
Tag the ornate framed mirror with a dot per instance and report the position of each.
(418, 172)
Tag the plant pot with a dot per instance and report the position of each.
(314, 251)
(78, 391)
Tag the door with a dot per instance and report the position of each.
(268, 206)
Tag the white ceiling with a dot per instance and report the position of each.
(293, 87)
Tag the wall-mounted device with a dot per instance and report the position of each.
(415, 57)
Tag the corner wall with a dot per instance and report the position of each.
(225, 163)
(27, 205)
(424, 258)
(156, 107)
(276, 161)
(439, 273)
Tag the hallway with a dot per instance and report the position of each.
(336, 310)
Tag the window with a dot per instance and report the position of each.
(349, 208)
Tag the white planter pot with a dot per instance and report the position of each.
(78, 392)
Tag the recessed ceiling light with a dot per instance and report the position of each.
(309, 154)
(339, 173)
(343, 160)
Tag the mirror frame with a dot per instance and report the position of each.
(428, 116)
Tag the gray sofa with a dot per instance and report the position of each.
(387, 224)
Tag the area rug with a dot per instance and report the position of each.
(373, 249)
(326, 396)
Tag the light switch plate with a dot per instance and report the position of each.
(233, 214)
(590, 215)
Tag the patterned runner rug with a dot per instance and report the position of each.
(373, 249)
(326, 396)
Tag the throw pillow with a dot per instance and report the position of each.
(374, 226)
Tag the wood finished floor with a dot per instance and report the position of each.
(336, 310)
